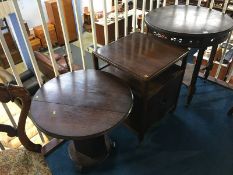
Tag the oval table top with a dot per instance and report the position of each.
(187, 20)
(81, 104)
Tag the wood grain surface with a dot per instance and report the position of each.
(81, 104)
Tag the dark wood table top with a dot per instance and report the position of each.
(141, 55)
(81, 104)
(189, 21)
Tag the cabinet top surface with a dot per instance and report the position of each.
(143, 56)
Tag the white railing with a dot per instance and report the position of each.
(12, 6)
(47, 38)
(65, 33)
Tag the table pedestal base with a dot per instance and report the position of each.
(89, 152)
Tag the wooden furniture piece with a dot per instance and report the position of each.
(35, 43)
(82, 106)
(13, 50)
(148, 66)
(39, 33)
(45, 64)
(53, 15)
(190, 26)
(20, 161)
(111, 29)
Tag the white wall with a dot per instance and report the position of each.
(98, 5)
(30, 12)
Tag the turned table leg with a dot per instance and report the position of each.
(192, 86)
(210, 62)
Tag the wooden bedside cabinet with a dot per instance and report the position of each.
(39, 33)
(148, 66)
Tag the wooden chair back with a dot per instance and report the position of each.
(11, 93)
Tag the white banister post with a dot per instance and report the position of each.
(25, 37)
(9, 4)
(134, 15)
(126, 17)
(187, 2)
(151, 4)
(78, 23)
(164, 3)
(199, 3)
(9, 115)
(176, 2)
(10, 59)
(105, 22)
(223, 55)
(1, 11)
(224, 51)
(225, 6)
(211, 4)
(65, 33)
(3, 8)
(92, 14)
(143, 15)
(116, 20)
(47, 37)
(158, 3)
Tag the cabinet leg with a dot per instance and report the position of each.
(95, 62)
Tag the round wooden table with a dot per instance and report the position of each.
(191, 26)
(82, 106)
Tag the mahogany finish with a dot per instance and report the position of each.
(190, 26)
(147, 65)
(189, 21)
(143, 56)
(111, 30)
(82, 106)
